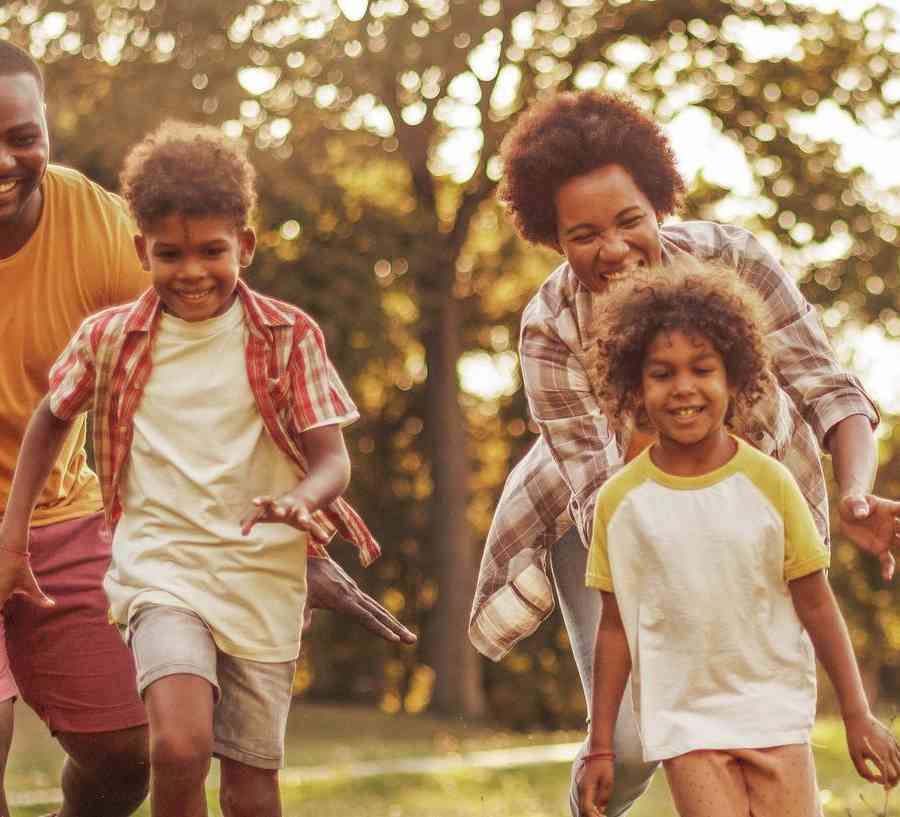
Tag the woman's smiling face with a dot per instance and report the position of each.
(606, 226)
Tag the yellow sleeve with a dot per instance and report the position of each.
(599, 574)
(804, 551)
(127, 278)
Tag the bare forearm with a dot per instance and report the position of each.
(820, 615)
(612, 666)
(854, 455)
(327, 480)
(41, 444)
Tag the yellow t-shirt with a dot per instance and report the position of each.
(79, 260)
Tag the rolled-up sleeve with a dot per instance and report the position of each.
(72, 376)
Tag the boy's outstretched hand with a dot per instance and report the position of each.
(595, 781)
(872, 744)
(289, 510)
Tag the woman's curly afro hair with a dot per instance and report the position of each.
(570, 135)
(192, 170)
(692, 297)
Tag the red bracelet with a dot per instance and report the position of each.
(24, 553)
(605, 755)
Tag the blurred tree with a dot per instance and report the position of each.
(377, 124)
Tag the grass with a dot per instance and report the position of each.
(331, 736)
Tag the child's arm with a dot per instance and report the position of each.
(43, 440)
(612, 666)
(326, 480)
(867, 739)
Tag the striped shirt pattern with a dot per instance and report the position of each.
(107, 363)
(555, 485)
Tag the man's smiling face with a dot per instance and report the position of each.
(24, 151)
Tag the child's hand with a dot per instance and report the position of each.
(869, 740)
(289, 509)
(595, 781)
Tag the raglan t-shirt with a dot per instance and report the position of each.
(700, 568)
(79, 260)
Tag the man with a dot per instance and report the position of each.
(66, 251)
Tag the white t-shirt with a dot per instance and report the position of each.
(199, 455)
(700, 569)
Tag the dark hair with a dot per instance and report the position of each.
(572, 134)
(16, 60)
(693, 297)
(192, 170)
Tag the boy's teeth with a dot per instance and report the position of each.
(5, 187)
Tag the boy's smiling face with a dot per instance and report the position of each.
(685, 388)
(195, 262)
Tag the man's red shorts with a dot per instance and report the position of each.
(69, 662)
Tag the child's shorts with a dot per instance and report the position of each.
(779, 781)
(252, 697)
(8, 688)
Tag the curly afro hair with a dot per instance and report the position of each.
(695, 298)
(192, 170)
(570, 135)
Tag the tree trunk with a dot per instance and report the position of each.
(458, 684)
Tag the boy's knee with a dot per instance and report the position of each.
(182, 755)
(249, 794)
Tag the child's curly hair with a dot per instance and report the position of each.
(692, 297)
(193, 170)
(572, 134)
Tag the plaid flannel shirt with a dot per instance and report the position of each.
(555, 485)
(108, 362)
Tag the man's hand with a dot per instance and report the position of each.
(331, 588)
(872, 523)
(16, 578)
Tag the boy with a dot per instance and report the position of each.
(209, 401)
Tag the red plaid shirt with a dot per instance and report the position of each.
(107, 364)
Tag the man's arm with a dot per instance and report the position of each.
(331, 588)
(41, 445)
(872, 522)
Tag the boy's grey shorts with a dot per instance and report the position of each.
(252, 697)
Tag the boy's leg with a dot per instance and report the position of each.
(250, 722)
(580, 607)
(248, 790)
(176, 663)
(708, 784)
(781, 781)
(73, 669)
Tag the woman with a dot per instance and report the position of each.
(591, 176)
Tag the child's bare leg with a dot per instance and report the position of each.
(707, 784)
(6, 733)
(247, 791)
(781, 781)
(180, 710)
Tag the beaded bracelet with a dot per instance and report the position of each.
(605, 755)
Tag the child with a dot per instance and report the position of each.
(710, 567)
(215, 410)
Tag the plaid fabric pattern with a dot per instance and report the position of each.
(107, 364)
(555, 485)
